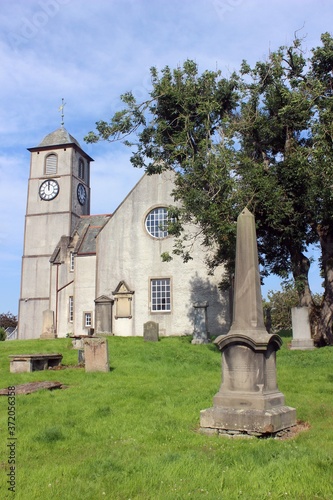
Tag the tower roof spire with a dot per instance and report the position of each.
(61, 110)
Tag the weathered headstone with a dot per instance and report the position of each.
(200, 332)
(96, 355)
(151, 331)
(48, 329)
(78, 342)
(301, 329)
(248, 400)
(80, 356)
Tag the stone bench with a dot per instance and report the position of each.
(33, 362)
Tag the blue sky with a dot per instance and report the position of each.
(90, 52)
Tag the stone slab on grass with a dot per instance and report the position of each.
(30, 387)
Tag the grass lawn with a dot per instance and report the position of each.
(132, 433)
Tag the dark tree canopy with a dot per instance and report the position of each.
(261, 138)
(8, 320)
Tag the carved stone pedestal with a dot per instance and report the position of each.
(249, 400)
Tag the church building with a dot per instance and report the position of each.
(84, 273)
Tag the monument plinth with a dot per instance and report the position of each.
(249, 400)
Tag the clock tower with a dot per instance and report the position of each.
(58, 195)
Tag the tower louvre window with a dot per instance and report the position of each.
(81, 169)
(51, 164)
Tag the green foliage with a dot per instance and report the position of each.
(3, 334)
(8, 320)
(133, 432)
(184, 126)
(278, 306)
(262, 139)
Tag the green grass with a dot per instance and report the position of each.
(132, 433)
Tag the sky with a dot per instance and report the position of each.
(89, 53)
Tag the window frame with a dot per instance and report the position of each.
(153, 222)
(71, 262)
(71, 309)
(87, 314)
(157, 306)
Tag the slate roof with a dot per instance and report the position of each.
(87, 229)
(83, 237)
(59, 136)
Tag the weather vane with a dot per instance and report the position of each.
(61, 110)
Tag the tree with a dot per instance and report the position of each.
(321, 81)
(278, 307)
(8, 320)
(261, 139)
(273, 124)
(184, 126)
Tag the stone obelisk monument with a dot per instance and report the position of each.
(248, 401)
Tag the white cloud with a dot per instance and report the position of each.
(91, 52)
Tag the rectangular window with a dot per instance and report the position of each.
(71, 309)
(71, 266)
(87, 320)
(160, 294)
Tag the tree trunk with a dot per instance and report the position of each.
(324, 333)
(300, 271)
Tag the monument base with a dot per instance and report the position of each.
(251, 422)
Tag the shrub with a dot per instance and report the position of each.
(3, 334)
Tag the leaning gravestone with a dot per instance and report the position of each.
(249, 401)
(151, 331)
(96, 355)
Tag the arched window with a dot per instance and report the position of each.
(157, 222)
(51, 164)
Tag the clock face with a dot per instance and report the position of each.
(48, 190)
(81, 194)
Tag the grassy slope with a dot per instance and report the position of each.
(132, 433)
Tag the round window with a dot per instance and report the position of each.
(157, 222)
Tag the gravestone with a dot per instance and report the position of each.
(96, 355)
(301, 329)
(80, 356)
(248, 401)
(78, 342)
(200, 332)
(48, 329)
(151, 331)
